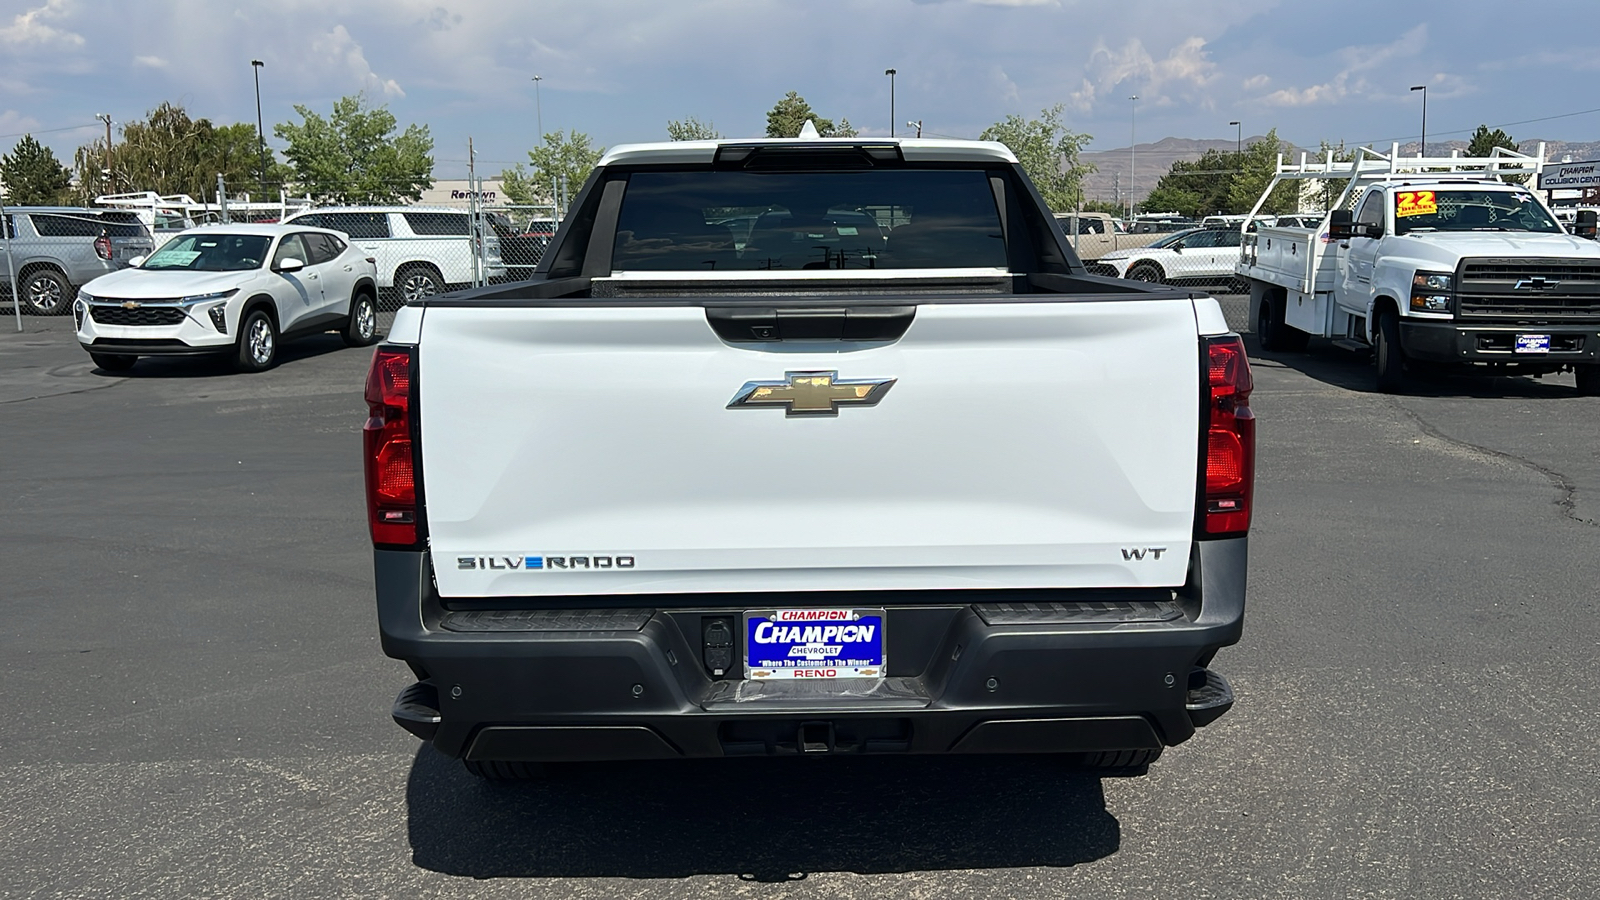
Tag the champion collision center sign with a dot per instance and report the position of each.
(1570, 176)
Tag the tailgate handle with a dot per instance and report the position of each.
(744, 324)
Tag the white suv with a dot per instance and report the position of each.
(229, 289)
(421, 250)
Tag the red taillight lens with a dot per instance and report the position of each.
(391, 460)
(1230, 458)
(102, 247)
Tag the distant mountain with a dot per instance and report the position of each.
(1152, 161)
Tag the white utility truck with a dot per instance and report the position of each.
(1443, 261)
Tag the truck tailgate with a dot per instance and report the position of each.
(579, 450)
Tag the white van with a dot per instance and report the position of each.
(419, 250)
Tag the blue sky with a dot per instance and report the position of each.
(619, 69)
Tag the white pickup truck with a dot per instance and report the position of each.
(1437, 261)
(884, 472)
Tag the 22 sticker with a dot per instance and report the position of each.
(1415, 203)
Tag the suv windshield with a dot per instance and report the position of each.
(211, 253)
(1468, 210)
(745, 221)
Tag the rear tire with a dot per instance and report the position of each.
(418, 282)
(361, 328)
(45, 292)
(258, 342)
(1389, 356)
(1146, 273)
(113, 362)
(1276, 336)
(502, 770)
(1588, 381)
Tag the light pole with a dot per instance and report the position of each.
(917, 124)
(890, 73)
(1238, 143)
(1423, 148)
(106, 118)
(1133, 143)
(538, 106)
(261, 131)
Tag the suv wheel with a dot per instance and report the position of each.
(1145, 272)
(258, 342)
(417, 282)
(362, 326)
(45, 292)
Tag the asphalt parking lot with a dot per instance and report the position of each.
(198, 705)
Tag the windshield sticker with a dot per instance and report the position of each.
(846, 230)
(1415, 203)
(176, 257)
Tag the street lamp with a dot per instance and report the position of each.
(261, 131)
(538, 106)
(1238, 142)
(1422, 150)
(1133, 143)
(890, 73)
(917, 124)
(106, 118)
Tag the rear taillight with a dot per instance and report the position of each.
(1229, 459)
(102, 247)
(391, 452)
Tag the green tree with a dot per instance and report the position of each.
(1197, 188)
(692, 129)
(33, 176)
(558, 167)
(1048, 152)
(790, 114)
(355, 156)
(1327, 190)
(1109, 207)
(1257, 165)
(1484, 141)
(169, 152)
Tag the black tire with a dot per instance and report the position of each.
(1588, 381)
(501, 770)
(113, 362)
(45, 292)
(1389, 356)
(258, 342)
(361, 327)
(1276, 336)
(1114, 763)
(1149, 273)
(416, 282)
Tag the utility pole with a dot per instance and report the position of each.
(917, 124)
(106, 118)
(538, 107)
(1422, 149)
(472, 214)
(1133, 143)
(1238, 144)
(261, 132)
(890, 73)
(11, 265)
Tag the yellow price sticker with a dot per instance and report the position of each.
(1415, 203)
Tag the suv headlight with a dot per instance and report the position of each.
(80, 308)
(1430, 291)
(201, 298)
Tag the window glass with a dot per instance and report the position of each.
(359, 225)
(1468, 210)
(754, 220)
(434, 223)
(1227, 237)
(291, 248)
(211, 253)
(322, 247)
(88, 223)
(1371, 212)
(1206, 237)
(310, 220)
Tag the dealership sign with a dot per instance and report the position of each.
(1570, 176)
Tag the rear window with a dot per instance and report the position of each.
(434, 223)
(751, 221)
(88, 224)
(359, 225)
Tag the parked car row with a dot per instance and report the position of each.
(1201, 257)
(55, 250)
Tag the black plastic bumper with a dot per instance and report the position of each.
(1455, 342)
(153, 347)
(1045, 672)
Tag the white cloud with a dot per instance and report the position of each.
(150, 62)
(1133, 68)
(1352, 79)
(340, 49)
(1256, 82)
(32, 27)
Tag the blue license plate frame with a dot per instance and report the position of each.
(814, 643)
(1532, 343)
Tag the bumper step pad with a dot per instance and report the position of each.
(1207, 702)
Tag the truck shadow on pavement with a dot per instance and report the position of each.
(766, 820)
(1354, 372)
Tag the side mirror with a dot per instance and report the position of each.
(289, 264)
(1341, 225)
(1587, 224)
(137, 261)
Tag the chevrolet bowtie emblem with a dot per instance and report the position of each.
(812, 393)
(130, 304)
(1536, 283)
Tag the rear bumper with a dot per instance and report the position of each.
(1455, 342)
(997, 675)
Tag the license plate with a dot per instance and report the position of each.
(1533, 343)
(813, 643)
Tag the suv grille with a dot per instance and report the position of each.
(1564, 289)
(144, 315)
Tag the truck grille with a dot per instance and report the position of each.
(1543, 289)
(143, 315)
